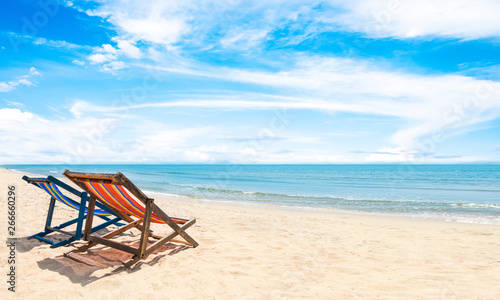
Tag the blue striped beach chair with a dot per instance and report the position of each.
(51, 186)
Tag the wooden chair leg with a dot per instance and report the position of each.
(90, 218)
(145, 227)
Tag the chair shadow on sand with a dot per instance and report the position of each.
(107, 261)
(26, 244)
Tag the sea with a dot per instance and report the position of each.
(462, 193)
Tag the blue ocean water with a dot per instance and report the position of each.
(468, 193)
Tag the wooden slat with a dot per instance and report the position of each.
(106, 236)
(167, 238)
(114, 244)
(71, 175)
(131, 187)
(160, 243)
(174, 225)
(121, 229)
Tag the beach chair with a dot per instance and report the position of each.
(117, 193)
(53, 187)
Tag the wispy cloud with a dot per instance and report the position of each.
(248, 24)
(23, 80)
(439, 103)
(230, 63)
(160, 22)
(462, 19)
(106, 56)
(78, 62)
(57, 44)
(90, 139)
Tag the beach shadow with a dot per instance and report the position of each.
(25, 245)
(108, 262)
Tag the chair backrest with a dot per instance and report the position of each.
(116, 196)
(116, 190)
(50, 185)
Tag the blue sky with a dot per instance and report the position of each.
(235, 81)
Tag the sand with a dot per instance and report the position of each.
(262, 253)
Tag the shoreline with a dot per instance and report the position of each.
(453, 218)
(254, 253)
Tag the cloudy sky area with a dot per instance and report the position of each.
(249, 81)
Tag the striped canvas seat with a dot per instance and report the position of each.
(53, 187)
(53, 191)
(117, 197)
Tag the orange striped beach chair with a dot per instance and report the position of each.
(127, 201)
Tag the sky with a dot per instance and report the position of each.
(232, 81)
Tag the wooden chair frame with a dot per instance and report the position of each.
(143, 251)
(83, 196)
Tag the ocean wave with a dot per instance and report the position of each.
(30, 174)
(316, 199)
(448, 216)
(350, 203)
(477, 205)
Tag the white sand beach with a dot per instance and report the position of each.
(261, 253)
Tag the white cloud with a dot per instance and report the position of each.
(54, 43)
(439, 104)
(464, 19)
(33, 71)
(161, 22)
(78, 62)
(14, 114)
(109, 49)
(6, 87)
(129, 49)
(243, 25)
(113, 66)
(25, 82)
(99, 58)
(14, 103)
(26, 137)
(244, 39)
(19, 80)
(89, 139)
(107, 56)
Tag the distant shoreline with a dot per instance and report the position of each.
(490, 220)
